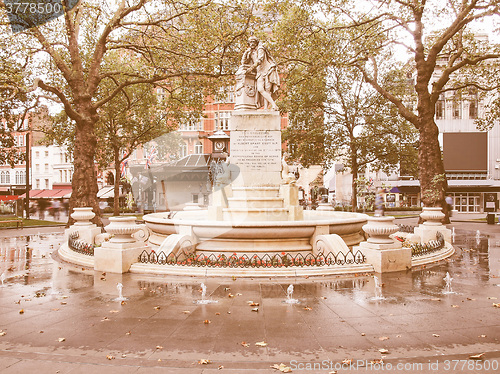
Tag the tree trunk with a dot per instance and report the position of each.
(116, 199)
(433, 183)
(84, 182)
(354, 186)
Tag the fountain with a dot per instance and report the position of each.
(204, 300)
(447, 288)
(254, 209)
(120, 297)
(378, 289)
(289, 296)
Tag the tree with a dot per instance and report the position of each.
(333, 113)
(364, 130)
(171, 41)
(438, 38)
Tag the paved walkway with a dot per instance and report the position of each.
(59, 318)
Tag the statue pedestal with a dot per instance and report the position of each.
(255, 148)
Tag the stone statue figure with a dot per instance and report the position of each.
(257, 78)
(286, 175)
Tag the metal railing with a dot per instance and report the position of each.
(418, 249)
(79, 245)
(254, 261)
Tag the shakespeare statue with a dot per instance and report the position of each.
(257, 78)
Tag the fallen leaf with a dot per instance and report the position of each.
(323, 297)
(217, 314)
(114, 311)
(346, 361)
(377, 361)
(204, 362)
(307, 308)
(245, 344)
(435, 335)
(55, 309)
(124, 355)
(477, 357)
(363, 334)
(382, 338)
(492, 298)
(63, 302)
(383, 351)
(261, 344)
(61, 339)
(255, 309)
(239, 294)
(159, 347)
(186, 312)
(103, 279)
(226, 288)
(230, 295)
(157, 307)
(252, 303)
(436, 299)
(496, 305)
(282, 367)
(109, 357)
(207, 321)
(128, 333)
(41, 331)
(482, 336)
(220, 367)
(2, 333)
(21, 311)
(123, 302)
(454, 306)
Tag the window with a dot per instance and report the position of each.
(440, 108)
(195, 198)
(5, 177)
(198, 148)
(61, 176)
(46, 153)
(46, 183)
(191, 125)
(37, 184)
(473, 103)
(456, 108)
(37, 154)
(184, 150)
(222, 120)
(46, 169)
(37, 168)
(20, 141)
(20, 177)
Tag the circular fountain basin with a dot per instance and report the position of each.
(248, 237)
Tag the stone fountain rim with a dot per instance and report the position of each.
(360, 218)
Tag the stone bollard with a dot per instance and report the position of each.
(381, 251)
(122, 250)
(432, 217)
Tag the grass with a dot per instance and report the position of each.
(26, 222)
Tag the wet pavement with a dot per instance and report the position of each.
(60, 318)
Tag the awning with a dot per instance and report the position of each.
(48, 194)
(107, 192)
(8, 197)
(395, 190)
(33, 194)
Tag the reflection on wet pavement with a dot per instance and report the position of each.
(336, 317)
